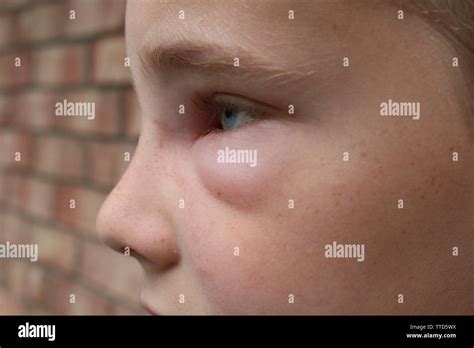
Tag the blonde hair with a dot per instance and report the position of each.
(454, 20)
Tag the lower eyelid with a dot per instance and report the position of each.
(259, 132)
(243, 128)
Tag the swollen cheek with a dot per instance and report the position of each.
(247, 177)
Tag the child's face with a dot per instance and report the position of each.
(189, 247)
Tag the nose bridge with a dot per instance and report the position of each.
(134, 216)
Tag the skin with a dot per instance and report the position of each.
(408, 251)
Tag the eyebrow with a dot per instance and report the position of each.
(211, 59)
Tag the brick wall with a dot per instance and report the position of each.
(63, 158)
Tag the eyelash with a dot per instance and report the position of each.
(209, 104)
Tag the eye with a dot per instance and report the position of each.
(230, 112)
(234, 117)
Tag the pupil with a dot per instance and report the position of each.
(228, 113)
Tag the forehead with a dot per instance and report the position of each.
(265, 26)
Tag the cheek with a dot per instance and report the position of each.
(255, 278)
(259, 279)
(243, 167)
(282, 251)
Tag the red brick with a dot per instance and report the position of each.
(132, 114)
(13, 4)
(11, 75)
(42, 22)
(3, 265)
(35, 110)
(6, 30)
(107, 162)
(17, 230)
(7, 110)
(12, 141)
(59, 156)
(41, 199)
(35, 287)
(95, 16)
(88, 203)
(3, 194)
(106, 113)
(17, 272)
(18, 191)
(62, 288)
(9, 185)
(108, 66)
(3, 199)
(60, 65)
(117, 274)
(86, 302)
(10, 305)
(56, 249)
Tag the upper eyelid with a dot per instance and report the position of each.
(209, 102)
(217, 101)
(245, 101)
(222, 104)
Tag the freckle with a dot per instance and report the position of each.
(363, 154)
(162, 240)
(219, 194)
(412, 163)
(422, 197)
(204, 273)
(451, 148)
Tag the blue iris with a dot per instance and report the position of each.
(232, 118)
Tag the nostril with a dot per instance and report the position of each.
(156, 256)
(148, 265)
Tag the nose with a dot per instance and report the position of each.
(133, 216)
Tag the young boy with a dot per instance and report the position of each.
(300, 157)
